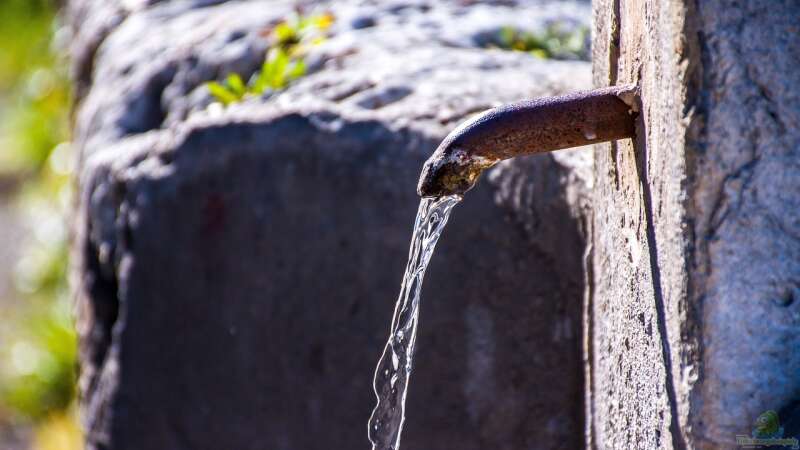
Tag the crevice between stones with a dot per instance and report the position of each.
(676, 436)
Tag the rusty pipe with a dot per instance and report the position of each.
(523, 128)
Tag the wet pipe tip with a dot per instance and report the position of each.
(451, 172)
(527, 127)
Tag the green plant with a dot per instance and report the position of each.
(279, 69)
(39, 374)
(34, 90)
(556, 41)
(284, 62)
(25, 27)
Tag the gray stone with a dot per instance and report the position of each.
(236, 269)
(696, 226)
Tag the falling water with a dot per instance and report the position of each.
(394, 367)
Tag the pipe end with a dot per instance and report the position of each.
(451, 171)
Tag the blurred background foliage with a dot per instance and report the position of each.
(557, 40)
(37, 338)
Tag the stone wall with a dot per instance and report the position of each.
(695, 225)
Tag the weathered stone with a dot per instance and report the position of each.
(236, 269)
(695, 233)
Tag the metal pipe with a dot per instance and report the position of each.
(527, 127)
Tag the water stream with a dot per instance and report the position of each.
(394, 367)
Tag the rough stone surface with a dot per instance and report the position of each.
(637, 261)
(236, 269)
(745, 181)
(695, 232)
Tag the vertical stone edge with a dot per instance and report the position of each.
(602, 39)
(653, 45)
(689, 367)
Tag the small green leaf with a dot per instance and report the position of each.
(235, 84)
(279, 60)
(298, 69)
(221, 93)
(275, 68)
